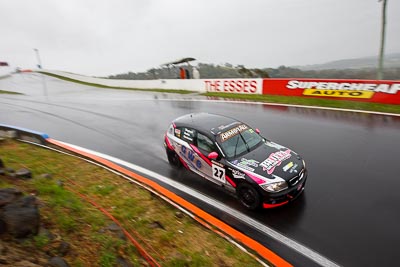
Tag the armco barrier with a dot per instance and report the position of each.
(377, 91)
(23, 134)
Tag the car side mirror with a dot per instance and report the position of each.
(213, 155)
(258, 131)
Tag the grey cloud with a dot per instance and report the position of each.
(109, 37)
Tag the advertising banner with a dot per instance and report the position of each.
(237, 86)
(377, 91)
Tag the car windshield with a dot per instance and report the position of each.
(239, 140)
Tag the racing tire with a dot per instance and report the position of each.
(248, 196)
(173, 159)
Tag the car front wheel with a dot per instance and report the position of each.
(248, 196)
(173, 159)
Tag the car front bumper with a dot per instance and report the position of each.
(272, 200)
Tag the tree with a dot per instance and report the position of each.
(262, 73)
(246, 73)
(383, 31)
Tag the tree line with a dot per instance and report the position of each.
(211, 71)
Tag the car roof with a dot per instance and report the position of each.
(206, 122)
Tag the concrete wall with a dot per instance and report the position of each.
(5, 71)
(247, 86)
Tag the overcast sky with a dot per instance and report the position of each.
(99, 37)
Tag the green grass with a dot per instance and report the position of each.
(104, 190)
(9, 92)
(180, 242)
(41, 240)
(175, 91)
(107, 259)
(305, 101)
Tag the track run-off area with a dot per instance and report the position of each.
(347, 216)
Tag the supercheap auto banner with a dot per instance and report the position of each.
(377, 91)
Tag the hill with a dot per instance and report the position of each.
(357, 68)
(391, 61)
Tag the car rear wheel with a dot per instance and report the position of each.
(173, 159)
(248, 196)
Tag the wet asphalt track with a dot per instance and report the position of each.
(350, 211)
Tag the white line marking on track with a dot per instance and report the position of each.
(307, 252)
(282, 104)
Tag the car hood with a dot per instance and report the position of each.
(270, 160)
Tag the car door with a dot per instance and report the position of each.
(188, 152)
(214, 171)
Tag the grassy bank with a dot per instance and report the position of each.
(293, 100)
(122, 88)
(8, 92)
(172, 238)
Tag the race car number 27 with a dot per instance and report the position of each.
(218, 173)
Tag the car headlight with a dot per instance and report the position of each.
(275, 187)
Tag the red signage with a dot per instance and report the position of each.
(240, 86)
(378, 91)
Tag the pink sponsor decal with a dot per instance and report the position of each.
(274, 160)
(255, 178)
(200, 154)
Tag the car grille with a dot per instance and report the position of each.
(295, 180)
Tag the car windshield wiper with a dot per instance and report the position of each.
(244, 141)
(237, 142)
